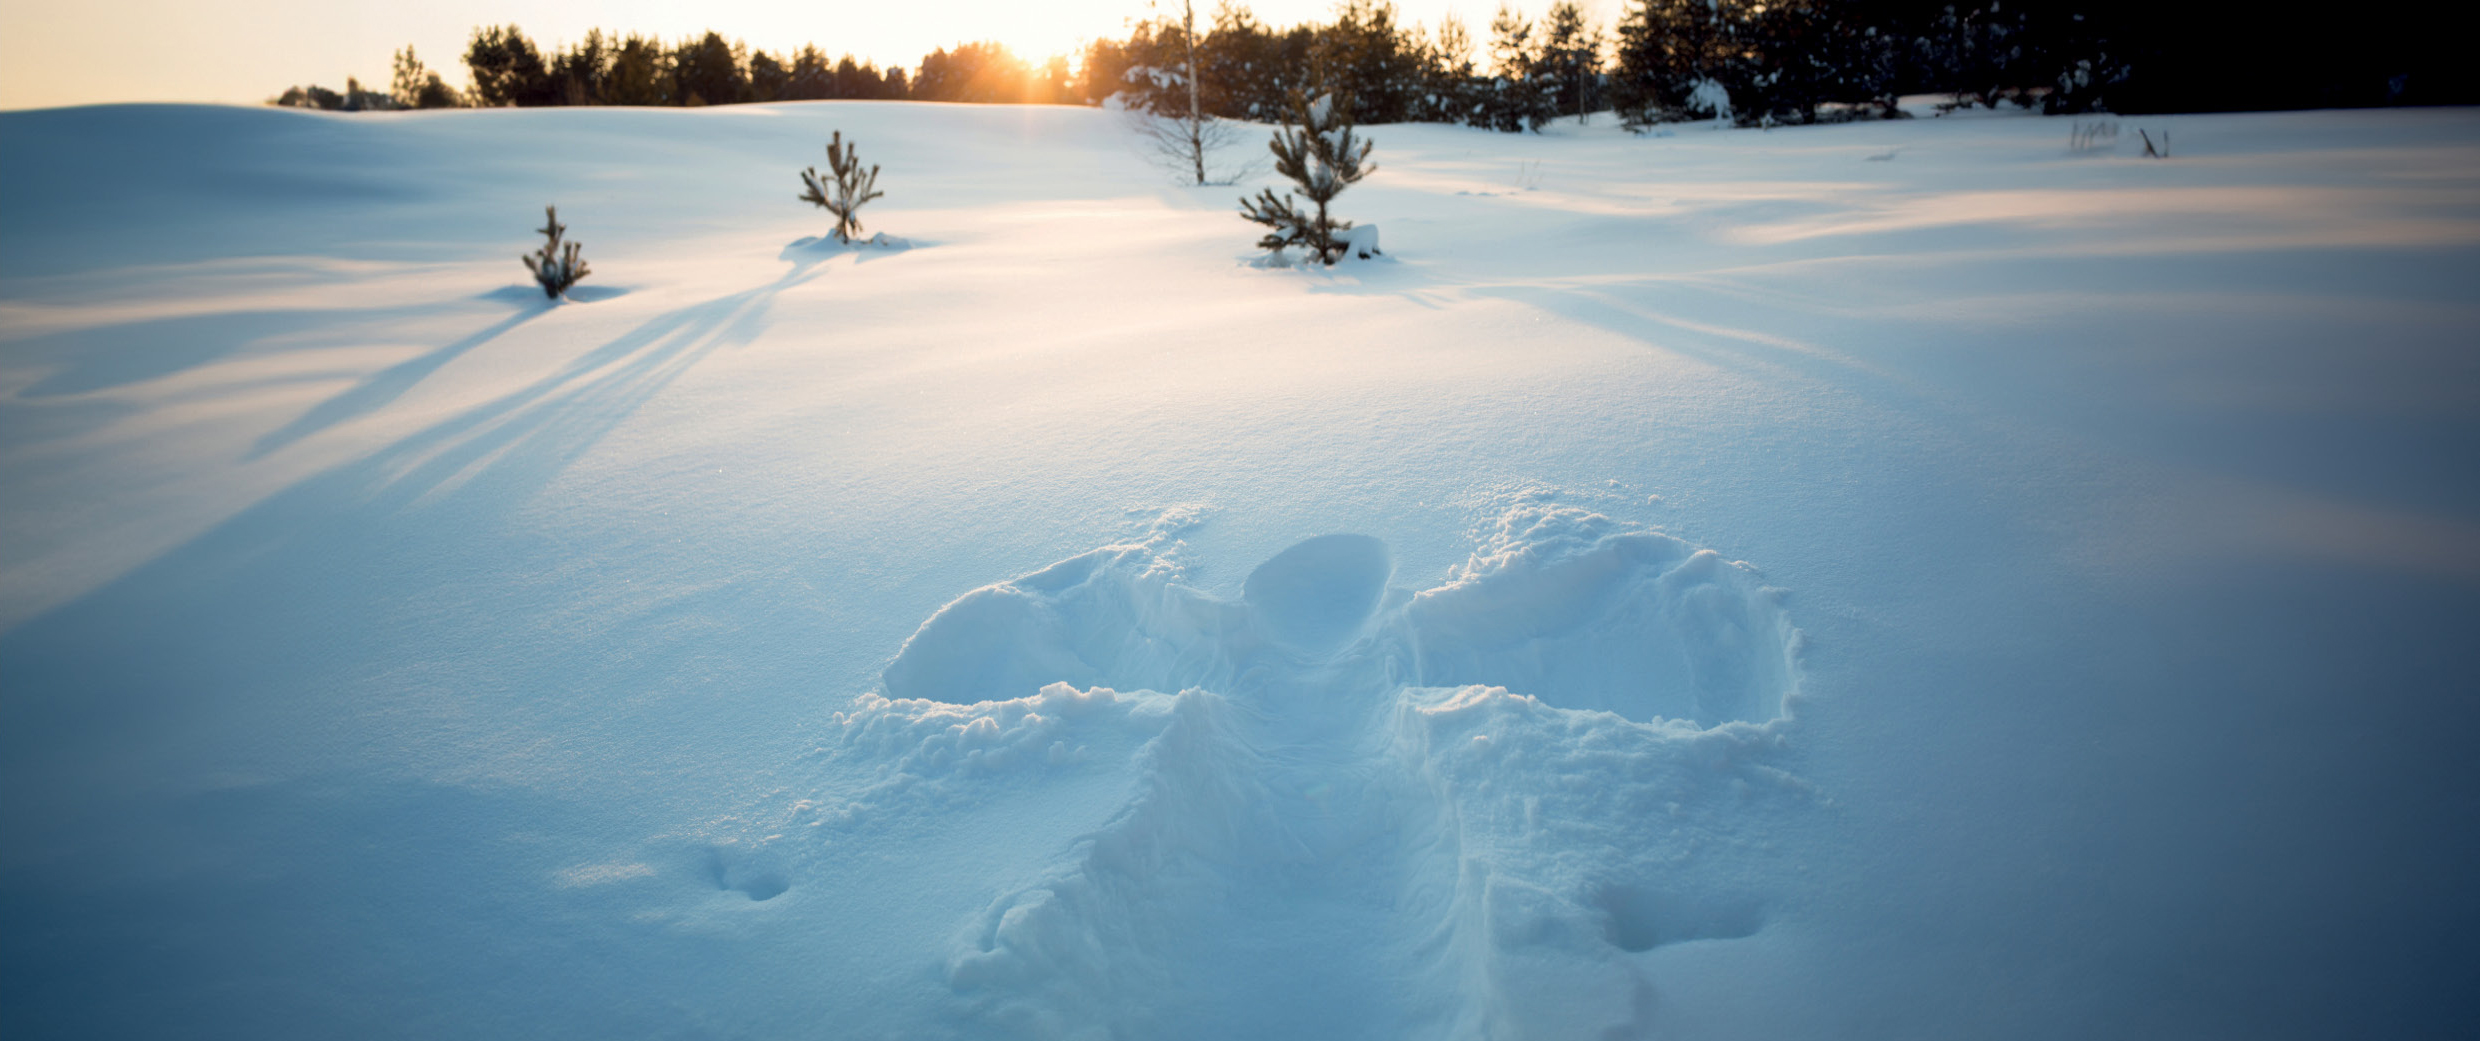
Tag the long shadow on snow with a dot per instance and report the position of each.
(1746, 351)
(296, 603)
(1741, 350)
(369, 607)
(384, 386)
(104, 357)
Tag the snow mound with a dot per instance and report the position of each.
(1568, 607)
(932, 755)
(829, 245)
(1559, 604)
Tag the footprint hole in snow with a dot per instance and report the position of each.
(1319, 594)
(731, 872)
(1640, 918)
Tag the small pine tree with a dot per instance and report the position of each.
(1323, 158)
(556, 265)
(851, 187)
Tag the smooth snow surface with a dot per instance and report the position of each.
(1891, 580)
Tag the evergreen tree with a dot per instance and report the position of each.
(415, 86)
(864, 81)
(846, 189)
(358, 100)
(1154, 79)
(1514, 100)
(1452, 80)
(1362, 57)
(1051, 84)
(556, 265)
(1322, 157)
(352, 99)
(708, 72)
(811, 77)
(1240, 66)
(769, 79)
(310, 97)
(507, 70)
(1754, 60)
(985, 72)
(1673, 57)
(641, 74)
(583, 72)
(1568, 62)
(1981, 51)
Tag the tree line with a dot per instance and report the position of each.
(1755, 62)
(1760, 62)
(506, 68)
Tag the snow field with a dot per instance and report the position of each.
(387, 653)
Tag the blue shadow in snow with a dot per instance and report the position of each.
(105, 357)
(382, 387)
(218, 630)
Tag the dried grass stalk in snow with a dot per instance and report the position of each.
(851, 187)
(556, 265)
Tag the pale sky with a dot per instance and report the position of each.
(71, 52)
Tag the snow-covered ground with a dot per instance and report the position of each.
(1882, 581)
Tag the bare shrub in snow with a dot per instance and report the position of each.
(2152, 150)
(846, 192)
(1321, 156)
(556, 265)
(1182, 136)
(1185, 144)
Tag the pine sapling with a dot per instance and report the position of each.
(1323, 158)
(850, 187)
(556, 265)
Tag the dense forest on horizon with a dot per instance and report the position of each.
(1751, 61)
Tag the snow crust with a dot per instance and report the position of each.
(1714, 586)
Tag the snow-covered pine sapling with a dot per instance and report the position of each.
(1322, 157)
(850, 187)
(556, 265)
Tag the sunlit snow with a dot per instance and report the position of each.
(1931, 578)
